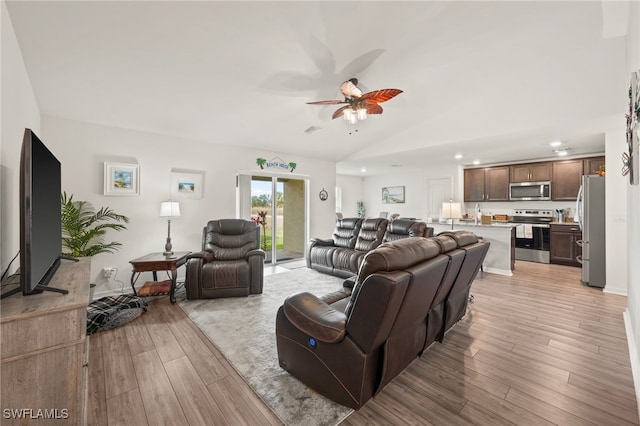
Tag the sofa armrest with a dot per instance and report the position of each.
(350, 282)
(315, 318)
(321, 242)
(256, 252)
(206, 256)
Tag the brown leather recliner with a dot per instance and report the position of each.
(320, 251)
(455, 305)
(349, 351)
(399, 229)
(230, 263)
(343, 253)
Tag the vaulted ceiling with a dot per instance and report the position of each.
(494, 81)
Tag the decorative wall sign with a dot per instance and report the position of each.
(323, 195)
(393, 195)
(121, 179)
(187, 184)
(630, 159)
(276, 163)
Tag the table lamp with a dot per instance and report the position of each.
(169, 209)
(451, 210)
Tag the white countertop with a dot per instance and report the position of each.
(479, 225)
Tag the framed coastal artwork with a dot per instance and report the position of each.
(393, 195)
(121, 179)
(187, 184)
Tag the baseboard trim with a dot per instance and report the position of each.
(618, 291)
(633, 354)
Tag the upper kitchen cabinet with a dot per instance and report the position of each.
(592, 164)
(474, 185)
(566, 179)
(534, 172)
(488, 184)
(497, 183)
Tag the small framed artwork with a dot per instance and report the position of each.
(187, 184)
(121, 179)
(393, 195)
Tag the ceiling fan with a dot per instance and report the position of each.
(358, 104)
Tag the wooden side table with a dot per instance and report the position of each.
(154, 262)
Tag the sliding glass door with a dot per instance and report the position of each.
(277, 204)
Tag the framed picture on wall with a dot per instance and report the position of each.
(393, 195)
(187, 184)
(121, 179)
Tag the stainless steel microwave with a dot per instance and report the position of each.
(530, 191)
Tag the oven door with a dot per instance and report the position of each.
(532, 242)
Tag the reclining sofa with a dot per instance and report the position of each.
(342, 254)
(349, 344)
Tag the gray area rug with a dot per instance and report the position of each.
(243, 329)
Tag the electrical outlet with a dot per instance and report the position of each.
(108, 272)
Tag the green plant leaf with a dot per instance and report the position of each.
(83, 229)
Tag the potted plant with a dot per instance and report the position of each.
(83, 228)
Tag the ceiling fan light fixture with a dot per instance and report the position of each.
(347, 114)
(362, 114)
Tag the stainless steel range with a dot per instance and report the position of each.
(532, 234)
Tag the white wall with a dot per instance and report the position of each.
(352, 192)
(414, 192)
(415, 183)
(83, 148)
(632, 316)
(616, 216)
(19, 110)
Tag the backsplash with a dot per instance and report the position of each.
(507, 207)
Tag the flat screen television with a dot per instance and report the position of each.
(40, 216)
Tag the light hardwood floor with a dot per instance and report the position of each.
(537, 348)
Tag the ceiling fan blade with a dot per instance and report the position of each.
(333, 102)
(383, 95)
(373, 108)
(338, 112)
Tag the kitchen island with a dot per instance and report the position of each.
(501, 256)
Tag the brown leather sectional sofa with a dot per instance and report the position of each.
(352, 238)
(349, 344)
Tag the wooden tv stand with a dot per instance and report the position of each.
(44, 351)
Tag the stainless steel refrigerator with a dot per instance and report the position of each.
(591, 217)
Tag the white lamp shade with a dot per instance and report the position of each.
(451, 210)
(169, 209)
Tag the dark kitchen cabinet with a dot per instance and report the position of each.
(592, 164)
(566, 179)
(563, 246)
(486, 184)
(533, 172)
(474, 185)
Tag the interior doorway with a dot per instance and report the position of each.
(277, 204)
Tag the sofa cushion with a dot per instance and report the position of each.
(345, 259)
(445, 242)
(346, 232)
(232, 273)
(404, 228)
(462, 238)
(371, 233)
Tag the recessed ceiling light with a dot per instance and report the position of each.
(363, 170)
(458, 156)
(555, 143)
(562, 152)
(476, 162)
